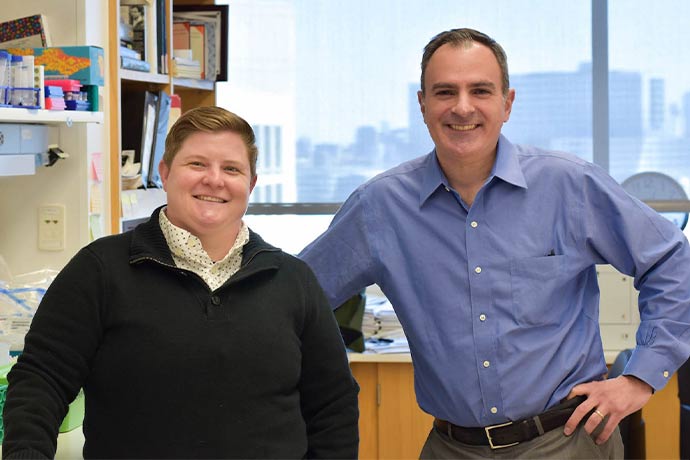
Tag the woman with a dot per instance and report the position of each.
(191, 336)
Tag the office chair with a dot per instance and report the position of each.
(349, 316)
(631, 427)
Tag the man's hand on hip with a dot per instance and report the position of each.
(611, 400)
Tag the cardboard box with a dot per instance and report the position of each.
(83, 63)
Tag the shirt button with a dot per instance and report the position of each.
(482, 317)
(215, 300)
(478, 270)
(486, 363)
(447, 189)
(666, 374)
(473, 224)
(494, 410)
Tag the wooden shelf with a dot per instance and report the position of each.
(15, 115)
(194, 93)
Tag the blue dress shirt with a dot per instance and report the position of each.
(500, 301)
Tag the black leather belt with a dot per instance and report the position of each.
(512, 433)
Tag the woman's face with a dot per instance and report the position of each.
(208, 184)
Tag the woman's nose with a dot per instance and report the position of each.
(213, 177)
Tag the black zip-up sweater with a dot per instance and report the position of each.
(171, 369)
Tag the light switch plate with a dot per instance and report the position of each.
(51, 227)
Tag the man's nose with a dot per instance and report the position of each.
(463, 105)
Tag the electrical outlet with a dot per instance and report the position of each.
(51, 227)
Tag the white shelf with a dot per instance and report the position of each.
(192, 83)
(14, 115)
(146, 77)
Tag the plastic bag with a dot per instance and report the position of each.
(19, 298)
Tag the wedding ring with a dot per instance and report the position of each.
(596, 411)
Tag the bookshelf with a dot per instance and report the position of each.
(194, 93)
(80, 134)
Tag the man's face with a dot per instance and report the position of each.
(208, 184)
(463, 106)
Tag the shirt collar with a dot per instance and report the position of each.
(506, 167)
(186, 245)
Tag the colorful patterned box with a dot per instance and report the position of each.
(83, 63)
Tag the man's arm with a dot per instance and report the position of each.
(342, 257)
(639, 242)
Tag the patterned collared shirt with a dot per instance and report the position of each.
(188, 253)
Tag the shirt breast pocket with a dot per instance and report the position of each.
(537, 285)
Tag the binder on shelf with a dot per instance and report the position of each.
(138, 126)
(162, 117)
(162, 36)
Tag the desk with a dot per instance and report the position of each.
(391, 424)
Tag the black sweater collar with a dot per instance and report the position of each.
(148, 242)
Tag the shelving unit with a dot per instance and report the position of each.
(49, 117)
(82, 135)
(194, 93)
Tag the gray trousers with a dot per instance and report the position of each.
(552, 445)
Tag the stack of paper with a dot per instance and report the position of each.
(380, 320)
(382, 346)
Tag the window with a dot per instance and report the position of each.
(331, 86)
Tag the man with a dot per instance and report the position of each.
(487, 251)
(191, 336)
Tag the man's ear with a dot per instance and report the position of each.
(422, 107)
(510, 98)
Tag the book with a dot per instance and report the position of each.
(215, 17)
(162, 118)
(197, 43)
(175, 110)
(134, 64)
(180, 35)
(162, 35)
(138, 127)
(186, 70)
(129, 52)
(27, 32)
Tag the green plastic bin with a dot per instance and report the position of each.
(73, 419)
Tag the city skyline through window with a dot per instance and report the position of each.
(330, 87)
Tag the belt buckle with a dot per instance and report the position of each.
(487, 430)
